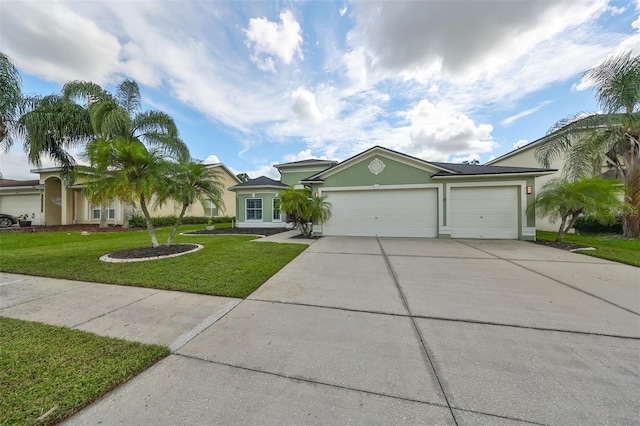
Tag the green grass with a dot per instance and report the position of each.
(609, 247)
(43, 366)
(229, 265)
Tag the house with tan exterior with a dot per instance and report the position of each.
(48, 201)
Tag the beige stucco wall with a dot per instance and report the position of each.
(77, 208)
(526, 158)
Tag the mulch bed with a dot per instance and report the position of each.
(244, 231)
(144, 252)
(560, 245)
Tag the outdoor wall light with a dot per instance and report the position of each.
(529, 190)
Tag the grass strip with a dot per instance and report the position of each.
(229, 265)
(48, 373)
(611, 247)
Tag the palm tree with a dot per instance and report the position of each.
(611, 139)
(303, 209)
(51, 127)
(125, 169)
(118, 116)
(190, 182)
(565, 200)
(10, 99)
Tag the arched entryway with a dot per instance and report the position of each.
(53, 201)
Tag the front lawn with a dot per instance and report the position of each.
(609, 247)
(53, 371)
(229, 265)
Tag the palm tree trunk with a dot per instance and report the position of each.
(177, 224)
(103, 216)
(631, 220)
(147, 217)
(126, 213)
(561, 230)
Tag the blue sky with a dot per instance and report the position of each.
(255, 83)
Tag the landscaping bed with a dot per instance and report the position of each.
(229, 265)
(238, 231)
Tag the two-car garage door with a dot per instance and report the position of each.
(383, 213)
(474, 212)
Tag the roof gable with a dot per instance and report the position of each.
(370, 153)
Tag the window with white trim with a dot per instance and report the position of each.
(111, 212)
(211, 210)
(253, 208)
(277, 215)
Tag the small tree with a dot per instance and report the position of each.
(303, 209)
(565, 200)
(190, 182)
(243, 177)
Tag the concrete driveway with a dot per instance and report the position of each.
(404, 331)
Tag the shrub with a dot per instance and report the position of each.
(591, 226)
(137, 220)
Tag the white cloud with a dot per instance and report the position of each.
(212, 159)
(15, 165)
(520, 143)
(469, 158)
(303, 155)
(482, 34)
(264, 170)
(272, 39)
(304, 105)
(343, 11)
(512, 119)
(57, 44)
(441, 129)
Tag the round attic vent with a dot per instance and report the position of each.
(376, 166)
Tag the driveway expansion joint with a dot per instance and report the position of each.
(513, 262)
(317, 382)
(186, 337)
(417, 330)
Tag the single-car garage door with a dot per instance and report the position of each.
(383, 213)
(484, 212)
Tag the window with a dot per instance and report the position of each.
(254, 208)
(211, 210)
(276, 210)
(111, 212)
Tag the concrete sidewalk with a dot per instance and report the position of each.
(169, 318)
(401, 331)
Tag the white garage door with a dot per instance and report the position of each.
(383, 213)
(485, 212)
(19, 204)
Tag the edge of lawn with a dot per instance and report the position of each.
(228, 266)
(51, 372)
(609, 247)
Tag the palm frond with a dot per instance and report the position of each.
(128, 96)
(617, 82)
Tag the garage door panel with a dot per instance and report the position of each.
(385, 213)
(484, 212)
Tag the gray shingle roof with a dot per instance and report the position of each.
(260, 181)
(477, 169)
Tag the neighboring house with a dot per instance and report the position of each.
(525, 157)
(20, 197)
(50, 202)
(381, 192)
